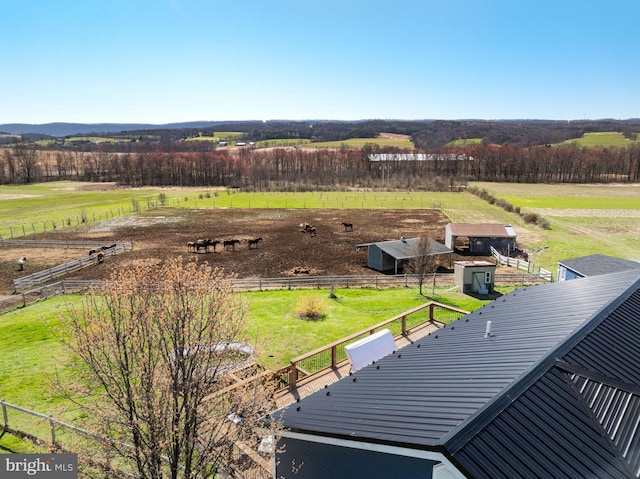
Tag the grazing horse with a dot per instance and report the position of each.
(100, 257)
(214, 243)
(312, 230)
(191, 246)
(202, 244)
(347, 226)
(21, 263)
(254, 242)
(232, 243)
(304, 227)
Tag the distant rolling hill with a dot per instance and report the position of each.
(65, 129)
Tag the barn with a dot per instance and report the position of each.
(478, 239)
(392, 256)
(551, 389)
(593, 265)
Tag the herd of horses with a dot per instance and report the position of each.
(313, 231)
(229, 245)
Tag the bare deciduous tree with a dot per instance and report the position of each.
(155, 345)
(422, 261)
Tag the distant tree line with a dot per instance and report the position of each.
(425, 134)
(300, 169)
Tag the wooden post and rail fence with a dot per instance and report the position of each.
(522, 265)
(329, 357)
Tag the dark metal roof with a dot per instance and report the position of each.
(405, 248)
(595, 264)
(512, 401)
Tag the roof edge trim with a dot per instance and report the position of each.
(458, 437)
(438, 454)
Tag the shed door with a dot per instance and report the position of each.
(478, 283)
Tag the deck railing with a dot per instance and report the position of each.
(329, 356)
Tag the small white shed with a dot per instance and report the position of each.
(474, 276)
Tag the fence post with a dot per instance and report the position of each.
(293, 376)
(404, 324)
(53, 430)
(334, 356)
(4, 415)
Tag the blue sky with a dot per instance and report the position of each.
(162, 61)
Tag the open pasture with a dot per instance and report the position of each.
(218, 136)
(384, 139)
(26, 210)
(584, 219)
(601, 139)
(577, 228)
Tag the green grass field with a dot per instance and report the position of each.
(465, 141)
(598, 218)
(29, 209)
(603, 139)
(361, 142)
(273, 143)
(32, 356)
(218, 136)
(585, 219)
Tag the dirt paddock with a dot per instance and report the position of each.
(285, 250)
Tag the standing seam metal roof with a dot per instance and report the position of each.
(404, 249)
(455, 387)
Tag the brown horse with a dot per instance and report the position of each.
(232, 243)
(191, 247)
(347, 226)
(254, 242)
(312, 231)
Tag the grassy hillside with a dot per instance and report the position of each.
(602, 139)
(218, 136)
(465, 141)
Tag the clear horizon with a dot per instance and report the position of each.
(324, 120)
(173, 61)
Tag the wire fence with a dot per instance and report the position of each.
(54, 434)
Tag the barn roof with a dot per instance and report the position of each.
(481, 230)
(405, 248)
(418, 157)
(596, 264)
(554, 391)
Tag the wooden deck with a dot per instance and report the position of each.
(324, 378)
